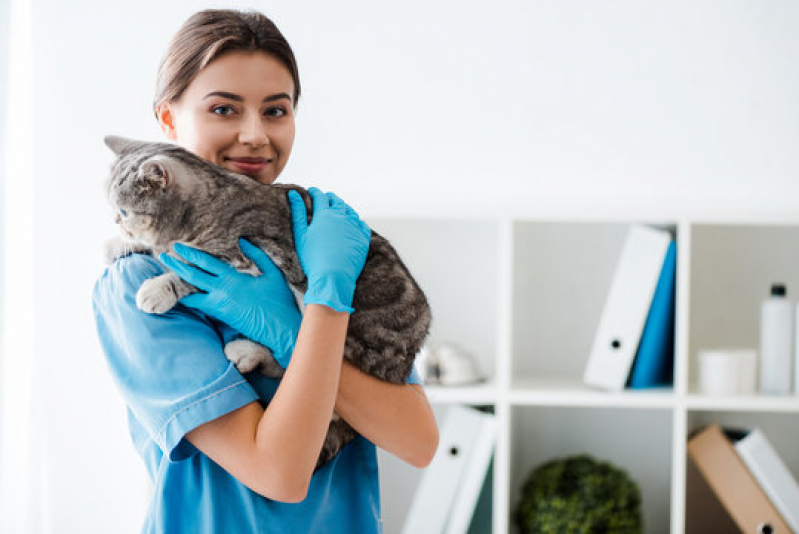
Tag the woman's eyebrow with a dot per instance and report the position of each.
(237, 98)
(278, 96)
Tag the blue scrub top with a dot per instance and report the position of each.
(173, 376)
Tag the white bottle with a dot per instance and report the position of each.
(776, 336)
(796, 356)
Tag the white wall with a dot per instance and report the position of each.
(409, 107)
(4, 38)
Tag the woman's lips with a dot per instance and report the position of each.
(248, 165)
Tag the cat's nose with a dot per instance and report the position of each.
(117, 218)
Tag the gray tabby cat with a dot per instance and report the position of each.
(164, 194)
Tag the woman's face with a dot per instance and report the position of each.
(237, 113)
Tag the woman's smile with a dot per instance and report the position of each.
(247, 165)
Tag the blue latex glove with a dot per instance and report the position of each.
(262, 308)
(332, 249)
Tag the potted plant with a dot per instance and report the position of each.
(579, 495)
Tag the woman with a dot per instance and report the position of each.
(228, 453)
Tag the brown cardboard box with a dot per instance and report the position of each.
(733, 484)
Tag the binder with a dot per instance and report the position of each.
(450, 486)
(626, 307)
(654, 360)
(730, 479)
(771, 473)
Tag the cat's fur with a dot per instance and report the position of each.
(164, 194)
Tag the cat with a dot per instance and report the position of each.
(163, 194)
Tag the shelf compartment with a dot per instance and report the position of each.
(703, 513)
(562, 272)
(540, 434)
(399, 481)
(456, 262)
(731, 270)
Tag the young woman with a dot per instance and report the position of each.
(232, 453)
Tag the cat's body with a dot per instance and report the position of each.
(164, 195)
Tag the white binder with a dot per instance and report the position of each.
(447, 495)
(626, 307)
(771, 473)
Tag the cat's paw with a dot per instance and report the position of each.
(248, 355)
(156, 296)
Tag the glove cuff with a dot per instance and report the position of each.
(331, 290)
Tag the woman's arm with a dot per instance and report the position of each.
(274, 451)
(395, 417)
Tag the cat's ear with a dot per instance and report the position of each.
(155, 172)
(121, 144)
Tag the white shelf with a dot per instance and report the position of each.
(753, 403)
(478, 394)
(570, 392)
(536, 283)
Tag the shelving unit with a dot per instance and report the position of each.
(524, 296)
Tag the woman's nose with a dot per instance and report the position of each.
(253, 131)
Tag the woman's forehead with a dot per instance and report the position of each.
(251, 75)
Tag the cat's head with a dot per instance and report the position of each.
(147, 184)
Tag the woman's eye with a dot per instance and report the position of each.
(276, 112)
(222, 110)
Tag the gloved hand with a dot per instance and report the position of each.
(262, 307)
(332, 249)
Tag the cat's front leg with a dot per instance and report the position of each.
(248, 355)
(160, 294)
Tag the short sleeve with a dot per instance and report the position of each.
(414, 377)
(170, 368)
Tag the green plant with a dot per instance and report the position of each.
(579, 495)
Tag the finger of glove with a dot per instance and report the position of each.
(259, 257)
(203, 260)
(299, 217)
(197, 301)
(188, 273)
(320, 201)
(336, 202)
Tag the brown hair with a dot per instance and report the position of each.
(208, 34)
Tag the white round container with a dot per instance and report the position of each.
(727, 372)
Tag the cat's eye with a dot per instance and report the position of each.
(123, 212)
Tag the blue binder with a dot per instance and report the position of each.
(654, 360)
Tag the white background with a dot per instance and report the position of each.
(413, 107)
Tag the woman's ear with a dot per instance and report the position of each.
(166, 118)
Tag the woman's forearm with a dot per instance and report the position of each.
(274, 451)
(297, 419)
(395, 417)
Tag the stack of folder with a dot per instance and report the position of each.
(748, 477)
(634, 343)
